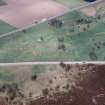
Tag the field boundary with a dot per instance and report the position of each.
(42, 21)
(51, 63)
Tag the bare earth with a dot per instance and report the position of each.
(20, 13)
(91, 11)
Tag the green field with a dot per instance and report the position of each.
(21, 74)
(4, 27)
(71, 3)
(15, 74)
(79, 38)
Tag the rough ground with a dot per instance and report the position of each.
(64, 85)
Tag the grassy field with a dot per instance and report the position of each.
(4, 27)
(15, 74)
(71, 3)
(79, 38)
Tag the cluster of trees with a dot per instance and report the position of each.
(12, 91)
(56, 23)
(61, 45)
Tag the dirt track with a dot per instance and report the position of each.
(20, 13)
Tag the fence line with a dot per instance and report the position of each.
(48, 19)
(51, 63)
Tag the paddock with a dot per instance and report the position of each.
(20, 13)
